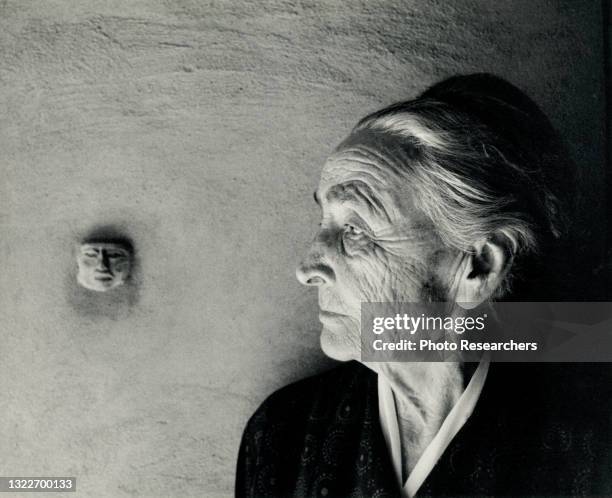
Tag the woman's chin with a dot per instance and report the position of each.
(337, 346)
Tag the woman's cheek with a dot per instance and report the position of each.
(389, 277)
(373, 275)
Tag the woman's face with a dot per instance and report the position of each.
(373, 244)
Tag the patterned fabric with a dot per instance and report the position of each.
(537, 430)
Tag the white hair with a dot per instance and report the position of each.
(471, 179)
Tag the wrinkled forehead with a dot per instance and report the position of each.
(376, 158)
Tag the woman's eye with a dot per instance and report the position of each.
(353, 238)
(352, 230)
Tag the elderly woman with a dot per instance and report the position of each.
(453, 197)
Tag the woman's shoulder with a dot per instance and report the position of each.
(307, 426)
(315, 397)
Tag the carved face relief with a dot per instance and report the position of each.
(103, 265)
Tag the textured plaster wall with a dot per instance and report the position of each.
(199, 128)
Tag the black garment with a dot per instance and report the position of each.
(536, 430)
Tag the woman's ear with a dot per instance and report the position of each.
(484, 272)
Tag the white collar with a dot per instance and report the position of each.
(453, 422)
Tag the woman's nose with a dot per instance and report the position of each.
(315, 269)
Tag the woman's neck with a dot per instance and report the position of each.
(424, 395)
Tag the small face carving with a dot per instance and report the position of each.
(103, 265)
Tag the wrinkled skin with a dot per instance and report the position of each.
(102, 266)
(374, 245)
